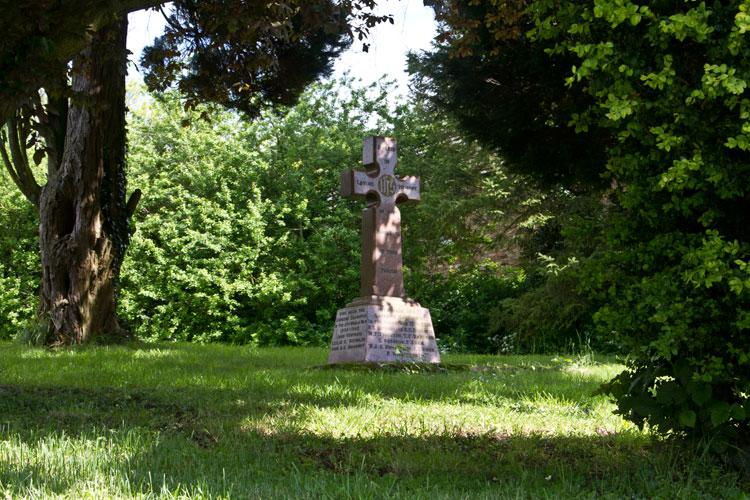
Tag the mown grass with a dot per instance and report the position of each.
(188, 421)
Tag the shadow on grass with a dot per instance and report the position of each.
(186, 445)
(191, 452)
(269, 377)
(193, 415)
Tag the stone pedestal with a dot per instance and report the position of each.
(383, 329)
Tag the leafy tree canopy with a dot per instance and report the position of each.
(659, 90)
(246, 54)
(508, 93)
(247, 40)
(40, 38)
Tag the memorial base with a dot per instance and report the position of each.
(383, 329)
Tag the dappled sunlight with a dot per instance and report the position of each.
(555, 402)
(93, 461)
(475, 404)
(351, 394)
(157, 353)
(33, 353)
(550, 416)
(210, 422)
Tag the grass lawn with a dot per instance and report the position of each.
(189, 421)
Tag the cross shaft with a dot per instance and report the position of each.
(382, 263)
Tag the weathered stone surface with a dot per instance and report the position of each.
(382, 325)
(383, 329)
(382, 265)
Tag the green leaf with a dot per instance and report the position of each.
(687, 418)
(701, 393)
(668, 392)
(719, 413)
(683, 371)
(39, 156)
(737, 412)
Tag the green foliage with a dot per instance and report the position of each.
(241, 54)
(553, 312)
(462, 303)
(504, 91)
(658, 92)
(668, 79)
(246, 55)
(546, 315)
(471, 206)
(241, 235)
(19, 265)
(508, 94)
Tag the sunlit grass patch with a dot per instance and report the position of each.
(187, 421)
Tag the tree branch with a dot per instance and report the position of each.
(25, 68)
(18, 164)
(51, 123)
(133, 202)
(6, 160)
(43, 127)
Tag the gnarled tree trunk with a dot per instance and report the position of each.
(82, 211)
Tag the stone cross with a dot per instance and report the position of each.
(382, 325)
(382, 264)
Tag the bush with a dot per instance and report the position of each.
(238, 239)
(462, 303)
(670, 80)
(19, 266)
(548, 315)
(242, 235)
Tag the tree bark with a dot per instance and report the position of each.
(83, 215)
(62, 28)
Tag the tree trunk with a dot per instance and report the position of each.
(83, 216)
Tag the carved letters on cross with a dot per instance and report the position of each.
(382, 265)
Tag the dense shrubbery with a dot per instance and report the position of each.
(462, 303)
(660, 89)
(241, 235)
(19, 259)
(670, 80)
(546, 315)
(658, 95)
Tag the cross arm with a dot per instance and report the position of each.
(356, 184)
(408, 189)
